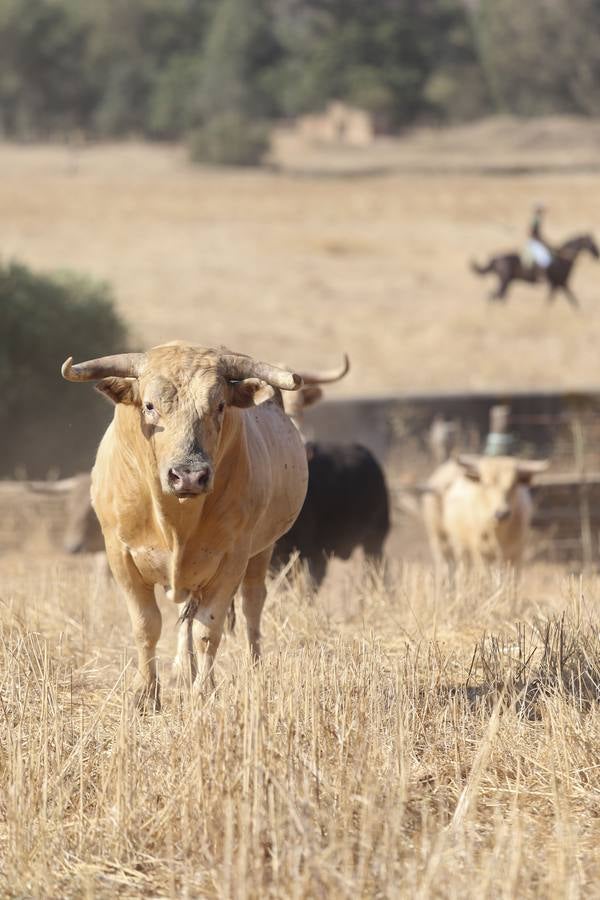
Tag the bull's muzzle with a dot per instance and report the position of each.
(185, 481)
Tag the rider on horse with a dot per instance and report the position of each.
(537, 255)
(539, 261)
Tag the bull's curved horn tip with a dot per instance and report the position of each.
(65, 369)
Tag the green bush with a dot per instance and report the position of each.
(229, 139)
(46, 423)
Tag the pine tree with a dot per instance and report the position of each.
(240, 53)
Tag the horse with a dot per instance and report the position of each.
(509, 267)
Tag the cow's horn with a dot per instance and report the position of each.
(237, 368)
(532, 466)
(327, 376)
(122, 365)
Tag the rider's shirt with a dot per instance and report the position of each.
(537, 254)
(536, 251)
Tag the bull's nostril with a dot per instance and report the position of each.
(189, 480)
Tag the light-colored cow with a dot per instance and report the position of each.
(192, 485)
(477, 509)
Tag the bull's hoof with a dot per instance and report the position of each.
(147, 699)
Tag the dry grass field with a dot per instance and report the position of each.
(400, 738)
(300, 268)
(396, 742)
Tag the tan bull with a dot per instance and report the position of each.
(83, 533)
(477, 509)
(192, 485)
(82, 529)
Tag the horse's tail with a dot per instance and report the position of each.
(482, 270)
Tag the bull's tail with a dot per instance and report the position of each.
(189, 611)
(482, 270)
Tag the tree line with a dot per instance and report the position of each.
(168, 69)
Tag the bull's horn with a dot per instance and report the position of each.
(327, 376)
(122, 365)
(532, 466)
(237, 368)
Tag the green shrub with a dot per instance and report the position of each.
(47, 424)
(229, 139)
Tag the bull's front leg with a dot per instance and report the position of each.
(146, 623)
(201, 627)
(207, 631)
(200, 631)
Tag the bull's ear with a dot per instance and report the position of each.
(120, 390)
(242, 393)
(470, 465)
(310, 394)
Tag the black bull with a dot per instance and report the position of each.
(346, 506)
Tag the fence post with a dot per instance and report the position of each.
(499, 442)
(587, 549)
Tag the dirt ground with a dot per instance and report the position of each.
(299, 268)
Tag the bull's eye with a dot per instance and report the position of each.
(149, 407)
(221, 406)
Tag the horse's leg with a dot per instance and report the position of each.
(570, 296)
(501, 291)
(550, 294)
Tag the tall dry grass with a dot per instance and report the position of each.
(396, 741)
